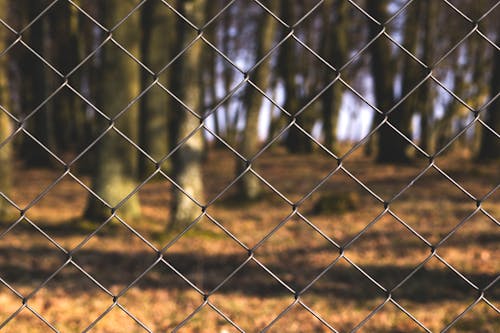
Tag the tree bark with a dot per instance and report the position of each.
(187, 160)
(5, 124)
(288, 71)
(401, 117)
(210, 71)
(490, 144)
(153, 114)
(34, 92)
(65, 108)
(444, 127)
(249, 187)
(426, 97)
(335, 45)
(116, 166)
(389, 149)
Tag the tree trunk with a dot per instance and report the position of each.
(5, 125)
(187, 160)
(287, 67)
(481, 62)
(335, 45)
(230, 131)
(389, 150)
(490, 144)
(444, 127)
(65, 108)
(210, 71)
(426, 97)
(474, 91)
(34, 92)
(252, 101)
(401, 116)
(153, 105)
(116, 165)
(87, 39)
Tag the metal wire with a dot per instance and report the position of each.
(203, 126)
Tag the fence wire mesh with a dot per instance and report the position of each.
(337, 160)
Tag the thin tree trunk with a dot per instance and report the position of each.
(474, 92)
(480, 78)
(287, 67)
(87, 39)
(227, 77)
(65, 108)
(336, 46)
(444, 127)
(252, 101)
(187, 161)
(426, 96)
(78, 117)
(490, 143)
(5, 125)
(389, 148)
(401, 117)
(34, 92)
(145, 110)
(210, 71)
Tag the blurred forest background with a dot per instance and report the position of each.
(286, 163)
(70, 74)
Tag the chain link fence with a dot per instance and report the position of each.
(295, 295)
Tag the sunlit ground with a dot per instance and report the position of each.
(297, 253)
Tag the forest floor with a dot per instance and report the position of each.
(296, 253)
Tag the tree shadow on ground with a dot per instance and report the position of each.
(30, 267)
